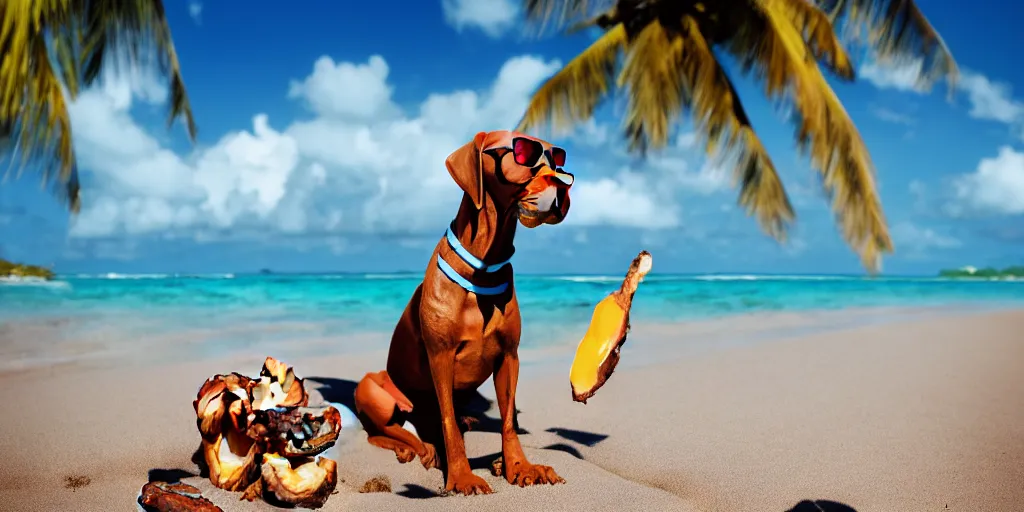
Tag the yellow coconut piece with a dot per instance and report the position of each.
(598, 352)
(231, 461)
(306, 484)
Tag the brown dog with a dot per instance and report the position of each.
(462, 324)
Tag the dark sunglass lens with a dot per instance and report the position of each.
(558, 155)
(526, 151)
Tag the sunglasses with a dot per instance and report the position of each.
(528, 153)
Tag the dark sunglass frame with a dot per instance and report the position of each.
(556, 155)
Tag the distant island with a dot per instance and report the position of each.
(984, 273)
(11, 269)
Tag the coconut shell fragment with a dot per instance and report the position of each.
(297, 431)
(222, 416)
(303, 482)
(278, 387)
(598, 352)
(174, 497)
(247, 424)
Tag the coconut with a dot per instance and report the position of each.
(303, 482)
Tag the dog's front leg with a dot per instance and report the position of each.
(516, 468)
(459, 477)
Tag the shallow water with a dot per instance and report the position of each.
(209, 316)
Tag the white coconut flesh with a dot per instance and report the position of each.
(267, 395)
(306, 477)
(646, 262)
(228, 459)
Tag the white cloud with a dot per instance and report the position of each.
(915, 241)
(346, 90)
(988, 100)
(899, 76)
(996, 187)
(628, 199)
(359, 164)
(991, 100)
(891, 116)
(492, 17)
(195, 11)
(673, 171)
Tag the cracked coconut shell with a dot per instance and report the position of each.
(174, 497)
(305, 484)
(297, 431)
(222, 416)
(278, 387)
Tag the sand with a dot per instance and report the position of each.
(917, 414)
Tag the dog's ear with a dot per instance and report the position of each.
(466, 167)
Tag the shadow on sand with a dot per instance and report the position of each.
(821, 506)
(471, 406)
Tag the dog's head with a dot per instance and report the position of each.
(514, 170)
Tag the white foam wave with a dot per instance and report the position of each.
(389, 276)
(588, 279)
(769, 277)
(31, 281)
(115, 275)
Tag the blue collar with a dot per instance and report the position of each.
(474, 262)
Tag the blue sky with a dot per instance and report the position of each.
(323, 133)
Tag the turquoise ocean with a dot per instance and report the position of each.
(331, 305)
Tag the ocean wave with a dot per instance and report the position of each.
(586, 279)
(31, 281)
(390, 276)
(115, 275)
(770, 277)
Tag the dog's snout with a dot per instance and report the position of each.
(556, 177)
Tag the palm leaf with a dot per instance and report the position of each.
(723, 122)
(49, 50)
(34, 119)
(773, 48)
(819, 35)
(556, 14)
(572, 94)
(138, 30)
(46, 110)
(897, 32)
(653, 85)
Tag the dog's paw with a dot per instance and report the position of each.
(404, 455)
(467, 484)
(429, 457)
(524, 473)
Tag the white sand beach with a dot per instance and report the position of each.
(923, 413)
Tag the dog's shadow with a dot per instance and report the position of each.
(340, 391)
(472, 407)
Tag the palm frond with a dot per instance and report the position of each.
(819, 35)
(774, 49)
(49, 51)
(556, 14)
(572, 94)
(34, 118)
(49, 122)
(652, 82)
(137, 30)
(720, 117)
(897, 32)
